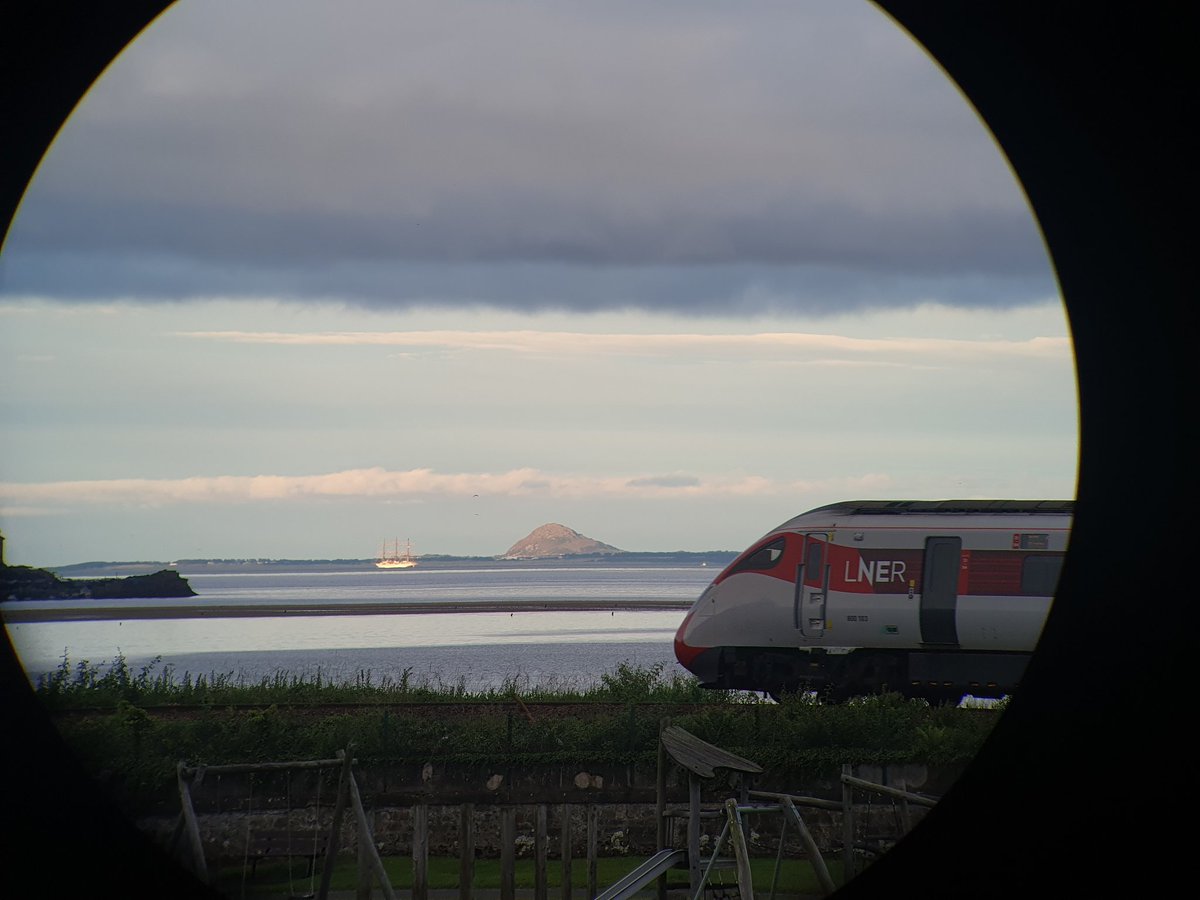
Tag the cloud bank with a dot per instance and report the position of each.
(698, 158)
(777, 346)
(412, 484)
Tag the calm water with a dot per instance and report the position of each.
(476, 649)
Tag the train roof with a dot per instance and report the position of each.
(956, 507)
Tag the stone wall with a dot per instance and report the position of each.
(229, 808)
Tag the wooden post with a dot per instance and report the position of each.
(177, 834)
(363, 890)
(193, 827)
(508, 853)
(539, 853)
(420, 852)
(466, 850)
(778, 857)
(564, 844)
(660, 807)
(593, 832)
(905, 813)
(367, 839)
(335, 828)
(810, 846)
(693, 832)
(741, 853)
(847, 826)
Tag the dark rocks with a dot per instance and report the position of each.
(26, 583)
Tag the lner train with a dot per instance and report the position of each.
(930, 598)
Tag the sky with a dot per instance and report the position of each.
(297, 278)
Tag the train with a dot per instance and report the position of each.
(936, 599)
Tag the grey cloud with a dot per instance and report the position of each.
(363, 159)
(667, 481)
(699, 290)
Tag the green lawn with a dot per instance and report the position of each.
(273, 880)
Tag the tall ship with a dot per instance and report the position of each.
(394, 559)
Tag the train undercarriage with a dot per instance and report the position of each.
(938, 675)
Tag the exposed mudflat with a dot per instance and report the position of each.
(98, 610)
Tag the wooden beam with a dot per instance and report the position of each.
(192, 826)
(741, 852)
(810, 847)
(264, 767)
(888, 791)
(367, 839)
(817, 802)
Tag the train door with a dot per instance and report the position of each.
(939, 590)
(812, 585)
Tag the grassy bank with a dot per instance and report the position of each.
(86, 685)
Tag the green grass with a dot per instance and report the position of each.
(273, 880)
(83, 684)
(127, 733)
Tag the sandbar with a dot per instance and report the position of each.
(103, 612)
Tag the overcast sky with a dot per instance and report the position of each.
(298, 276)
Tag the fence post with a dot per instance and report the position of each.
(466, 850)
(694, 832)
(420, 852)
(593, 831)
(565, 850)
(539, 853)
(660, 806)
(847, 827)
(508, 852)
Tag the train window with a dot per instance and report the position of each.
(813, 562)
(1039, 575)
(764, 557)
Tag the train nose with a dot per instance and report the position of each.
(700, 661)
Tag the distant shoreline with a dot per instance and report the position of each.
(188, 567)
(100, 612)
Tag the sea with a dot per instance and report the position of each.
(527, 645)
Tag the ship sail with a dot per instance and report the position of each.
(394, 559)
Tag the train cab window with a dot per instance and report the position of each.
(765, 557)
(1039, 575)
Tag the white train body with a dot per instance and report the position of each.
(932, 598)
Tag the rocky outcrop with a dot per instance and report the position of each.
(25, 583)
(552, 541)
